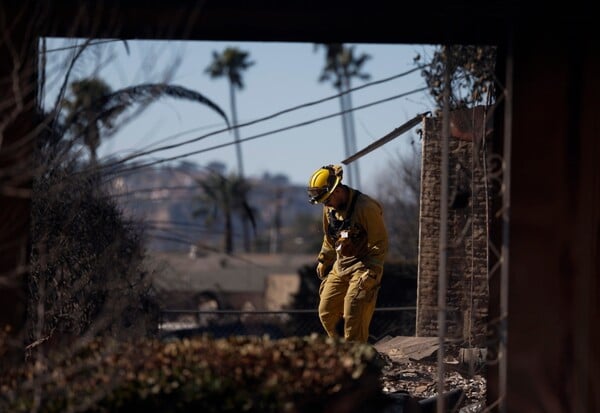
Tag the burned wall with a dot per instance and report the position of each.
(467, 229)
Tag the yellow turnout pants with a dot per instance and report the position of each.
(341, 296)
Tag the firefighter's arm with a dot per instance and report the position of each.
(327, 254)
(371, 218)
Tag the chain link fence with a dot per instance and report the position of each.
(387, 321)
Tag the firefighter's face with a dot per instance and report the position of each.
(334, 200)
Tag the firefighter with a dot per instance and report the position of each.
(350, 263)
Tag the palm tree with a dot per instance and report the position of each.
(82, 112)
(94, 106)
(222, 197)
(231, 63)
(341, 66)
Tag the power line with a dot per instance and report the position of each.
(211, 249)
(175, 135)
(235, 127)
(145, 190)
(269, 117)
(261, 135)
(157, 224)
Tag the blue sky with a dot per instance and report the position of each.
(284, 75)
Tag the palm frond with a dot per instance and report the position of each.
(126, 46)
(152, 91)
(249, 213)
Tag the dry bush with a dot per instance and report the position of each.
(86, 275)
(250, 374)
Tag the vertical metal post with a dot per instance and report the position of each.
(347, 146)
(352, 136)
(504, 253)
(443, 245)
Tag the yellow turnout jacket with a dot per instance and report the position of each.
(355, 237)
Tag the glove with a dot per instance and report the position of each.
(322, 271)
(367, 281)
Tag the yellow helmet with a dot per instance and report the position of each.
(322, 183)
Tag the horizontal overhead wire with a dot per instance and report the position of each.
(276, 114)
(261, 135)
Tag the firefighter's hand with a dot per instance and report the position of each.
(367, 281)
(322, 271)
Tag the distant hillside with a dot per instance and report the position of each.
(165, 199)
